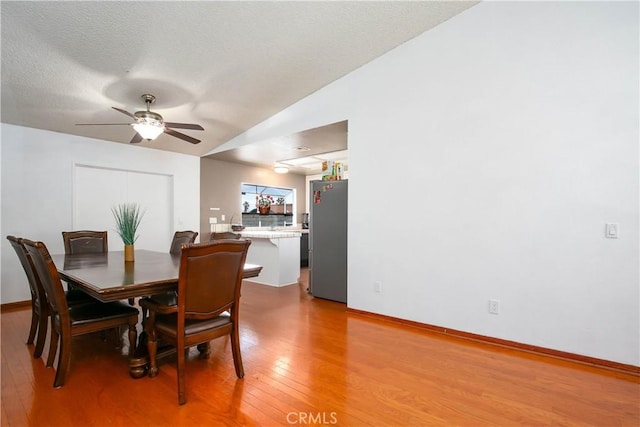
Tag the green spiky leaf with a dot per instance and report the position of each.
(128, 217)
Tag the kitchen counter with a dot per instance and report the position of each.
(269, 234)
(278, 252)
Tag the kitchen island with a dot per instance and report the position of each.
(278, 252)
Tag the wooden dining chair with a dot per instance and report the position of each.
(224, 235)
(70, 321)
(39, 304)
(207, 306)
(180, 238)
(85, 241)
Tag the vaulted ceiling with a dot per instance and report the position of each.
(224, 65)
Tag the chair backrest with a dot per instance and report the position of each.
(224, 235)
(47, 273)
(37, 292)
(210, 278)
(180, 238)
(85, 241)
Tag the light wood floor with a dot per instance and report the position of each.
(310, 362)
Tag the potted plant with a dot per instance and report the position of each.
(278, 207)
(263, 203)
(128, 217)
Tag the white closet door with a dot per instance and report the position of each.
(98, 190)
(154, 194)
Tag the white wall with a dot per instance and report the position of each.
(517, 125)
(37, 189)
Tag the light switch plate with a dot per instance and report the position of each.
(612, 230)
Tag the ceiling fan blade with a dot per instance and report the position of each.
(102, 124)
(181, 136)
(183, 126)
(136, 138)
(124, 112)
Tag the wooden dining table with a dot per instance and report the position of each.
(107, 277)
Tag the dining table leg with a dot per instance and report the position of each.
(205, 350)
(139, 363)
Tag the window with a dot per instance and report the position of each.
(280, 213)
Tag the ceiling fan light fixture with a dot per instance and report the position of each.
(149, 129)
(281, 169)
(149, 125)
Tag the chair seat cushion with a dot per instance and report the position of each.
(167, 324)
(168, 298)
(99, 311)
(76, 296)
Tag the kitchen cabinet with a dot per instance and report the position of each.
(304, 250)
(278, 254)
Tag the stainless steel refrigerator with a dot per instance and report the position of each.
(328, 240)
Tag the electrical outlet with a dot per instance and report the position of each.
(377, 286)
(494, 306)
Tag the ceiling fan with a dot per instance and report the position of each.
(149, 125)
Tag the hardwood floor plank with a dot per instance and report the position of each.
(312, 362)
(13, 411)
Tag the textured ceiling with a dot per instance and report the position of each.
(224, 65)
